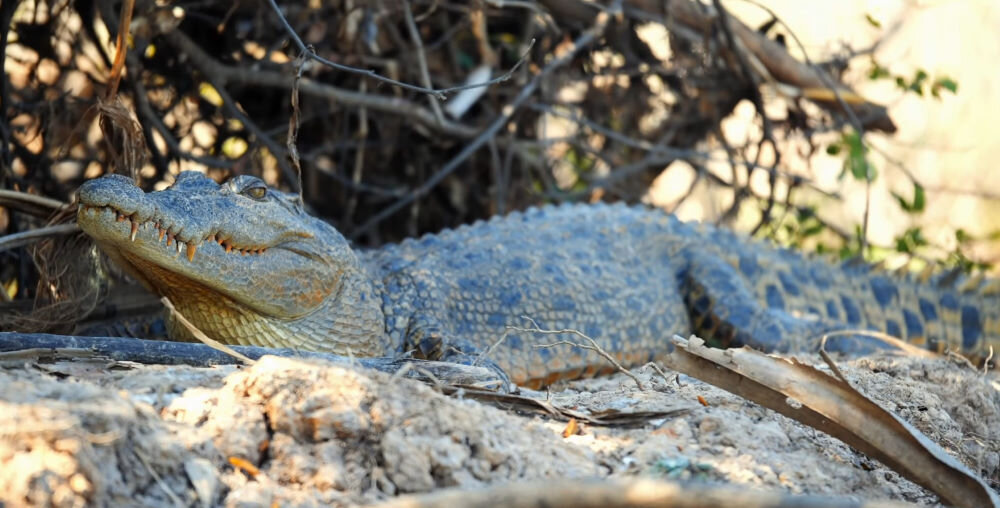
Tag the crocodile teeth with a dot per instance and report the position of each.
(177, 246)
(162, 232)
(229, 248)
(190, 251)
(120, 217)
(135, 229)
(170, 239)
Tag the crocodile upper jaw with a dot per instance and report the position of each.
(209, 240)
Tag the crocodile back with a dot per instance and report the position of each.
(615, 274)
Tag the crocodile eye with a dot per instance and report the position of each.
(257, 192)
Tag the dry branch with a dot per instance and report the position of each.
(224, 74)
(643, 493)
(782, 67)
(600, 23)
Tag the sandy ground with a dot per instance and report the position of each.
(290, 432)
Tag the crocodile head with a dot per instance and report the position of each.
(242, 261)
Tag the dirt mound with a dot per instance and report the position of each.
(301, 433)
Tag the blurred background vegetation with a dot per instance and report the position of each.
(855, 128)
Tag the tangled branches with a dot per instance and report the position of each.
(573, 86)
(407, 116)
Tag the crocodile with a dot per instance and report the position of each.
(246, 264)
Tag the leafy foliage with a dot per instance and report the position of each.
(920, 83)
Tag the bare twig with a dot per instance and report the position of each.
(156, 477)
(440, 93)
(585, 38)
(846, 109)
(742, 58)
(592, 346)
(6, 157)
(149, 116)
(418, 44)
(27, 237)
(234, 110)
(216, 75)
(39, 206)
(662, 373)
(222, 74)
(359, 161)
(200, 335)
(124, 20)
(666, 153)
(293, 127)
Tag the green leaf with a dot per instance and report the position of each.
(813, 230)
(910, 240)
(877, 71)
(901, 246)
(945, 83)
(857, 157)
(902, 201)
(833, 149)
(872, 21)
(961, 236)
(919, 200)
(860, 169)
(917, 85)
(919, 197)
(948, 84)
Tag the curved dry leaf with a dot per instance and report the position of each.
(832, 405)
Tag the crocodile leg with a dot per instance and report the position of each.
(725, 311)
(427, 340)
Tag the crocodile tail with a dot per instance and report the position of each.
(958, 313)
(941, 312)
